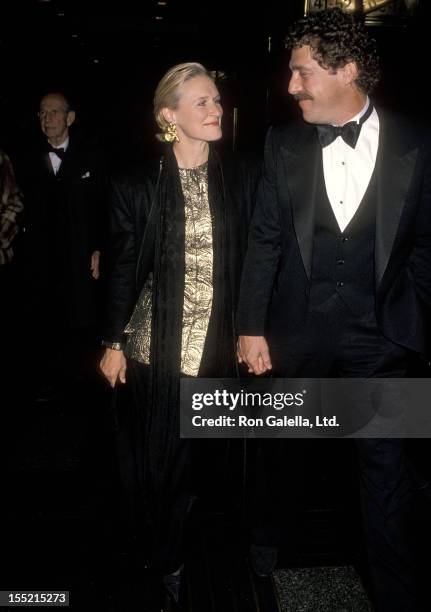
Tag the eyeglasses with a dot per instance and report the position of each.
(44, 114)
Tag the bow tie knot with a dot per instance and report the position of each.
(349, 132)
(60, 152)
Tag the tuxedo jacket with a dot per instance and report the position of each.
(276, 276)
(65, 220)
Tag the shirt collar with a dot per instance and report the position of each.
(362, 112)
(63, 145)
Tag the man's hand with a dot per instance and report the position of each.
(94, 265)
(254, 352)
(113, 366)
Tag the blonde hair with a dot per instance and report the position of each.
(166, 94)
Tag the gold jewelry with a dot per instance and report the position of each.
(171, 134)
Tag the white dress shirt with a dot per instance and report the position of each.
(55, 159)
(348, 171)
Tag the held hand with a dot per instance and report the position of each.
(94, 265)
(254, 352)
(113, 366)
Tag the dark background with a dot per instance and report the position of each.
(109, 61)
(60, 512)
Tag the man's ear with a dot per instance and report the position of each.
(350, 71)
(70, 118)
(168, 115)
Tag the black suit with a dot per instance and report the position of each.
(313, 330)
(64, 226)
(276, 278)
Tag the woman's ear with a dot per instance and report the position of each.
(168, 115)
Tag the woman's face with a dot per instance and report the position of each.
(199, 112)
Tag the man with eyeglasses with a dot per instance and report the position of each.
(63, 185)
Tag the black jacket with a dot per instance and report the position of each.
(65, 222)
(277, 271)
(132, 196)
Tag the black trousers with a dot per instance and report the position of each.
(334, 342)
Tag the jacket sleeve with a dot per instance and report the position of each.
(263, 253)
(420, 257)
(121, 251)
(247, 173)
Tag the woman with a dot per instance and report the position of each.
(177, 235)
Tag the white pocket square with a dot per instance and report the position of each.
(86, 175)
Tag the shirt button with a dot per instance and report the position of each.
(340, 262)
(340, 284)
(341, 201)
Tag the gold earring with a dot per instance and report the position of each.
(171, 134)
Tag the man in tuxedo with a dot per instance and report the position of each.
(337, 278)
(63, 184)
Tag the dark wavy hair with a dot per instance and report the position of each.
(337, 38)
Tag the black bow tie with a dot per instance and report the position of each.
(60, 152)
(349, 132)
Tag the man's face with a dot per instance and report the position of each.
(55, 119)
(199, 112)
(320, 92)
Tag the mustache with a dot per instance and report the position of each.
(302, 96)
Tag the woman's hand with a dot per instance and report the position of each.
(113, 366)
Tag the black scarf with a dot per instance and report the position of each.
(162, 419)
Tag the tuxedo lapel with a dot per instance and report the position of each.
(67, 163)
(394, 166)
(301, 163)
(44, 165)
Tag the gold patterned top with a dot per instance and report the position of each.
(198, 289)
